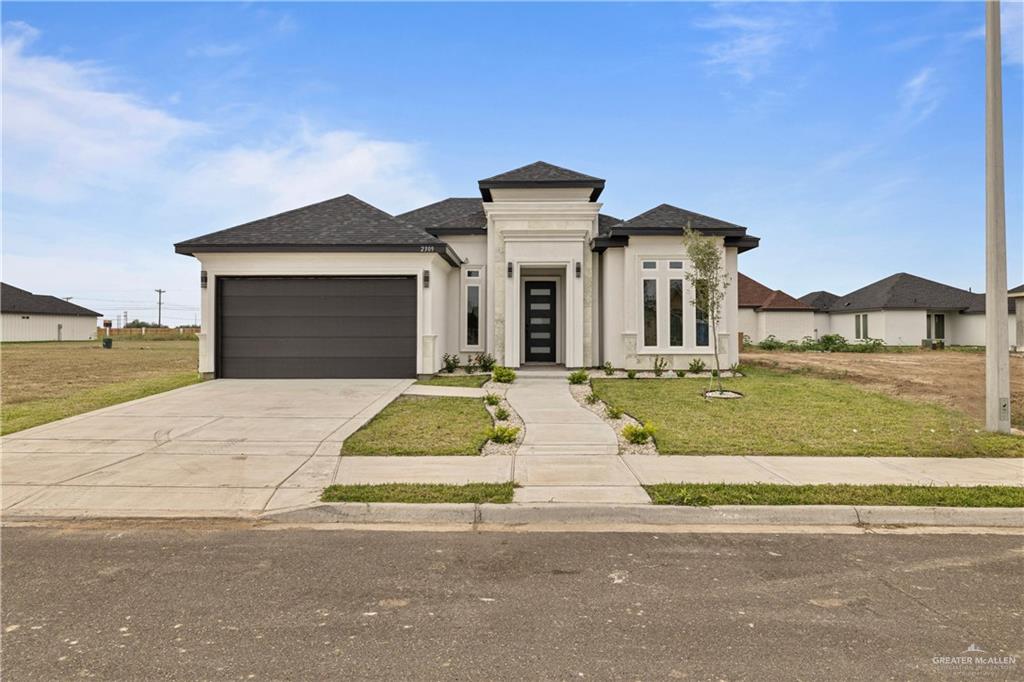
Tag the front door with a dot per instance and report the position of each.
(540, 321)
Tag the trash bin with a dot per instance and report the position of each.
(108, 342)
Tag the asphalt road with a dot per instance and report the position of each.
(150, 603)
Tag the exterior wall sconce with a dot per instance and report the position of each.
(426, 279)
(509, 269)
(202, 279)
(579, 269)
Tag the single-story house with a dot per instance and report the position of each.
(904, 310)
(765, 312)
(530, 272)
(820, 302)
(35, 317)
(1017, 337)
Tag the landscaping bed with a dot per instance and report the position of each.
(618, 422)
(422, 493)
(707, 494)
(796, 414)
(423, 425)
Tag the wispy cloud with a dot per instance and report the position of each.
(920, 96)
(216, 50)
(751, 38)
(1011, 20)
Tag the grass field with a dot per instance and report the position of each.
(706, 494)
(461, 380)
(421, 493)
(423, 425)
(43, 382)
(797, 414)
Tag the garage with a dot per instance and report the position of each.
(316, 327)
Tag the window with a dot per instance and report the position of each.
(860, 326)
(650, 312)
(940, 326)
(703, 337)
(675, 265)
(856, 327)
(650, 265)
(675, 320)
(472, 274)
(473, 315)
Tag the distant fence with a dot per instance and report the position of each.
(154, 333)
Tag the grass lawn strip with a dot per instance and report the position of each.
(421, 493)
(707, 494)
(423, 425)
(461, 380)
(25, 415)
(797, 414)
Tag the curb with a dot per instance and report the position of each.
(570, 515)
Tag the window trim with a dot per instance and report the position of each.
(643, 311)
(663, 273)
(465, 282)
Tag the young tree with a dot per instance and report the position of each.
(709, 280)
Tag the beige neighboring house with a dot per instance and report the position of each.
(530, 271)
(1017, 299)
(765, 312)
(34, 317)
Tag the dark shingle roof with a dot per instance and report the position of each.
(667, 219)
(820, 300)
(905, 291)
(344, 221)
(1017, 289)
(15, 300)
(605, 223)
(540, 174)
(461, 210)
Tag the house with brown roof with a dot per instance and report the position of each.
(765, 312)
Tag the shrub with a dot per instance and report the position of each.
(471, 368)
(866, 346)
(503, 375)
(638, 434)
(451, 362)
(590, 398)
(771, 343)
(501, 414)
(660, 365)
(580, 376)
(492, 398)
(697, 365)
(714, 373)
(680, 373)
(832, 342)
(612, 412)
(631, 374)
(608, 369)
(503, 434)
(485, 360)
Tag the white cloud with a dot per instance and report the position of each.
(1012, 24)
(920, 96)
(752, 38)
(98, 182)
(216, 50)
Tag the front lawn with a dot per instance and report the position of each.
(423, 425)
(795, 414)
(43, 382)
(421, 493)
(706, 494)
(461, 380)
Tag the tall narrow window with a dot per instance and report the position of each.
(675, 320)
(856, 327)
(472, 315)
(940, 326)
(864, 326)
(703, 336)
(650, 312)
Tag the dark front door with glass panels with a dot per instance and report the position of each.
(540, 321)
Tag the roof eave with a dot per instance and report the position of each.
(442, 249)
(596, 186)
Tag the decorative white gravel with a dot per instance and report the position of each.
(580, 391)
(509, 449)
(648, 374)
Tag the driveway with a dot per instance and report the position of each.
(231, 447)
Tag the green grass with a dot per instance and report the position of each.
(423, 425)
(706, 494)
(421, 493)
(25, 415)
(797, 414)
(463, 380)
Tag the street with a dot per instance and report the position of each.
(233, 601)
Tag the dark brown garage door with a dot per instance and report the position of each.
(316, 327)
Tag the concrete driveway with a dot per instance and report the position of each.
(227, 447)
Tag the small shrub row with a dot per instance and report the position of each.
(580, 376)
(500, 433)
(504, 375)
(832, 343)
(638, 434)
(481, 361)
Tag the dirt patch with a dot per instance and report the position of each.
(34, 371)
(952, 379)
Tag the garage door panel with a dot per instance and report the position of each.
(315, 327)
(305, 327)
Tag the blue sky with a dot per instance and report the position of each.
(849, 137)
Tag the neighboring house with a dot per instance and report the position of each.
(1017, 335)
(903, 310)
(530, 272)
(820, 302)
(765, 312)
(34, 317)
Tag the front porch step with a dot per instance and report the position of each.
(568, 449)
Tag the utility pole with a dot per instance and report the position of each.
(997, 340)
(160, 306)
